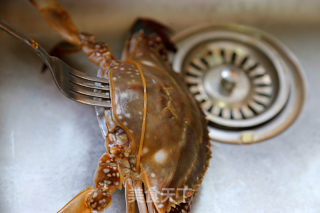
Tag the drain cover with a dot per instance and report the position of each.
(243, 80)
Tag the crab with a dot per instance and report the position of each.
(157, 143)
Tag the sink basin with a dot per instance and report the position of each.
(50, 145)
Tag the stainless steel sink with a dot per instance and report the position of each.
(50, 145)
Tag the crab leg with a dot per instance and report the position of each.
(140, 197)
(60, 20)
(151, 207)
(107, 180)
(130, 202)
(149, 202)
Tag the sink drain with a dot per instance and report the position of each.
(243, 80)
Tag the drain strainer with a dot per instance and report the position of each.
(243, 80)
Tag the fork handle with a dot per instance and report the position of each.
(25, 39)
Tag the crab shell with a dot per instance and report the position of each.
(176, 148)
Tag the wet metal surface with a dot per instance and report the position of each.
(49, 145)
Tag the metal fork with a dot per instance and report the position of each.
(72, 83)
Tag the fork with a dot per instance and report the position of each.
(72, 83)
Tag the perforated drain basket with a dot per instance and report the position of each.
(249, 86)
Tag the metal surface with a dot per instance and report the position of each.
(50, 145)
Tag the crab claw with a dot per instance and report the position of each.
(87, 201)
(78, 203)
(58, 19)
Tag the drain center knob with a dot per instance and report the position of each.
(228, 81)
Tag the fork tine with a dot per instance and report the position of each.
(89, 78)
(72, 83)
(88, 100)
(89, 85)
(84, 91)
